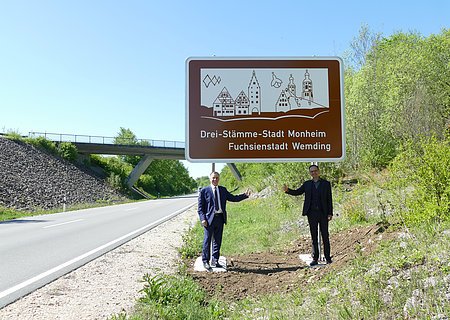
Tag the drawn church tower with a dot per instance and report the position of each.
(254, 95)
(307, 88)
(288, 99)
(292, 87)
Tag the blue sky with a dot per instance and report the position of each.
(91, 67)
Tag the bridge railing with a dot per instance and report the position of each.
(77, 138)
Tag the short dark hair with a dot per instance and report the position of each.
(313, 165)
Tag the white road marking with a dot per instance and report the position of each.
(85, 255)
(60, 224)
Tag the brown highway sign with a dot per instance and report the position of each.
(264, 109)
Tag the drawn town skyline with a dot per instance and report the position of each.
(265, 90)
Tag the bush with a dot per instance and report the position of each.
(115, 181)
(421, 180)
(42, 143)
(68, 151)
(354, 211)
(192, 242)
(15, 136)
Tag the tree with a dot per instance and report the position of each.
(362, 45)
(400, 93)
(127, 137)
(166, 178)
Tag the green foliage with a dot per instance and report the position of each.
(383, 285)
(382, 282)
(116, 170)
(115, 181)
(161, 178)
(192, 242)
(8, 214)
(258, 175)
(15, 136)
(399, 93)
(202, 181)
(227, 179)
(65, 150)
(353, 210)
(68, 151)
(166, 178)
(127, 137)
(115, 165)
(421, 181)
(253, 225)
(43, 144)
(362, 45)
(258, 225)
(171, 297)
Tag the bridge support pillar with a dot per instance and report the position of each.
(138, 170)
(235, 171)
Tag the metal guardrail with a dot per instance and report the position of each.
(77, 138)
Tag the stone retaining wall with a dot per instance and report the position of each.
(32, 179)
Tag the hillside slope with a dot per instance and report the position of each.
(31, 179)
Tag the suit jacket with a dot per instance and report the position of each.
(326, 199)
(206, 202)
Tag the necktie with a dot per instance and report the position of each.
(216, 200)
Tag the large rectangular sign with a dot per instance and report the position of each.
(264, 109)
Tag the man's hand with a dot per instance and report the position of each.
(330, 217)
(204, 223)
(285, 188)
(248, 192)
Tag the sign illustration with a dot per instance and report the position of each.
(264, 109)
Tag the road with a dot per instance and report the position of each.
(37, 250)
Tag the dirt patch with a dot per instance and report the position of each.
(269, 272)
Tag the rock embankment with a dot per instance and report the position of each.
(31, 179)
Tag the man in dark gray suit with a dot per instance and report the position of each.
(318, 207)
(212, 204)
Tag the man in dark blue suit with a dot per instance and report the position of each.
(212, 205)
(318, 207)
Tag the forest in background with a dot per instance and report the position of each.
(397, 114)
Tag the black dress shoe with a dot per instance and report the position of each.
(207, 266)
(313, 263)
(329, 261)
(217, 265)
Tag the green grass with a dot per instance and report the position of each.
(172, 298)
(406, 278)
(255, 225)
(9, 214)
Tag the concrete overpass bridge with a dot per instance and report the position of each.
(148, 149)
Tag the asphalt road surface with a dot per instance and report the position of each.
(37, 250)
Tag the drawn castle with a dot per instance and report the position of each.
(244, 104)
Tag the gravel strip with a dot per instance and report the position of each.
(110, 284)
